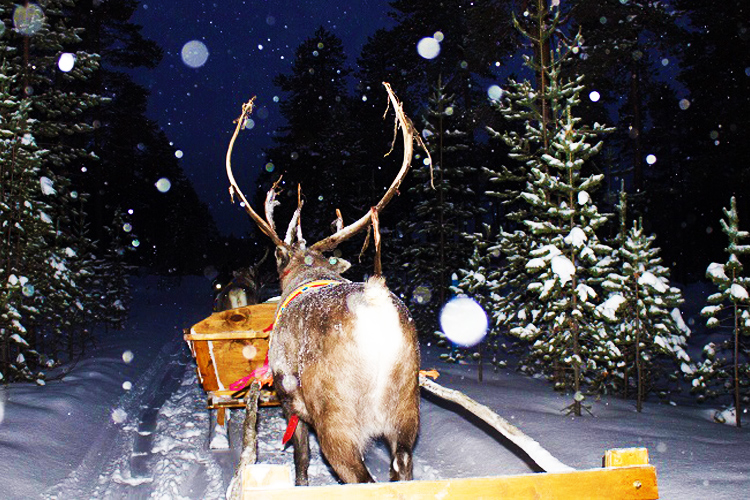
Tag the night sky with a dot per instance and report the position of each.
(248, 44)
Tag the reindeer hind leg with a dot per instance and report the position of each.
(344, 454)
(301, 443)
(402, 466)
(401, 443)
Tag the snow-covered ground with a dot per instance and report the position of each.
(129, 421)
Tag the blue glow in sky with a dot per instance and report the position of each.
(236, 49)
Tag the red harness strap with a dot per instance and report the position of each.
(291, 426)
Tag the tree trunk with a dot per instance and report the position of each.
(441, 209)
(635, 130)
(638, 361)
(737, 400)
(480, 367)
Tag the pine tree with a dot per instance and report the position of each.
(461, 29)
(712, 127)
(113, 270)
(568, 260)
(558, 275)
(726, 369)
(26, 228)
(473, 280)
(313, 149)
(60, 99)
(51, 296)
(647, 327)
(445, 209)
(523, 106)
(627, 44)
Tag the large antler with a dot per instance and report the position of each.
(407, 130)
(266, 227)
(344, 233)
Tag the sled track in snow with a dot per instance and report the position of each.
(159, 448)
(107, 468)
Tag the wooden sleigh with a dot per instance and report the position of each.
(230, 348)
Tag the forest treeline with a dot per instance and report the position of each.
(582, 156)
(90, 187)
(568, 140)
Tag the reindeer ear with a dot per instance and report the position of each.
(282, 257)
(338, 264)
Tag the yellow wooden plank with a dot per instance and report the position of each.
(267, 476)
(621, 457)
(223, 399)
(631, 483)
(238, 335)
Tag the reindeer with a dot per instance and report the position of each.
(344, 356)
(242, 290)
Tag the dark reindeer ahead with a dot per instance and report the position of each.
(344, 356)
(242, 290)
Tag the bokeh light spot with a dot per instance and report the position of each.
(422, 295)
(249, 351)
(163, 185)
(66, 61)
(28, 19)
(119, 415)
(194, 53)
(495, 92)
(464, 321)
(428, 47)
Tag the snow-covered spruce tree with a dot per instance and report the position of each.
(647, 330)
(568, 261)
(45, 252)
(553, 302)
(726, 367)
(525, 107)
(445, 208)
(26, 227)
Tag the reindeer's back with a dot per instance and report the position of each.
(352, 348)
